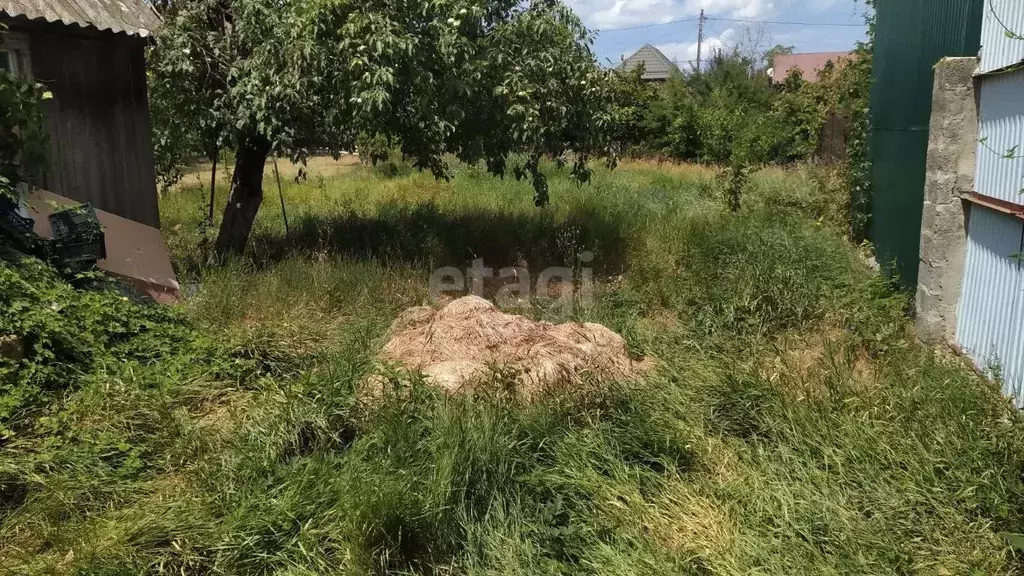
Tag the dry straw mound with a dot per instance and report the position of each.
(464, 341)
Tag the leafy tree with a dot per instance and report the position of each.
(670, 123)
(775, 51)
(177, 138)
(632, 99)
(737, 75)
(711, 116)
(791, 129)
(480, 79)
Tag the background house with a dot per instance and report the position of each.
(90, 55)
(809, 64)
(657, 66)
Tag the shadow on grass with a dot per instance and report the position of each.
(424, 236)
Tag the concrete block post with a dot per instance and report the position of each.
(952, 148)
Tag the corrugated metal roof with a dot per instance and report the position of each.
(991, 309)
(134, 17)
(657, 66)
(1003, 19)
(1000, 174)
(809, 64)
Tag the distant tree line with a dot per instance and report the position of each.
(487, 81)
(732, 112)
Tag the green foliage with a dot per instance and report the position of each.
(373, 148)
(24, 146)
(63, 333)
(791, 130)
(479, 80)
(855, 102)
(732, 111)
(777, 50)
(632, 98)
(177, 139)
(791, 425)
(731, 108)
(735, 177)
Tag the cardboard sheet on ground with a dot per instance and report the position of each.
(135, 252)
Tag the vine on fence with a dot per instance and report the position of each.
(1010, 153)
(24, 144)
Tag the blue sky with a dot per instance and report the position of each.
(654, 21)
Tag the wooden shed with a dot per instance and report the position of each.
(91, 55)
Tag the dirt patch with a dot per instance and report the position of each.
(198, 174)
(669, 166)
(469, 338)
(804, 361)
(11, 347)
(689, 523)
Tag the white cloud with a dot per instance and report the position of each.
(685, 53)
(619, 13)
(735, 8)
(609, 14)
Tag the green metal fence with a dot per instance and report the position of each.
(911, 36)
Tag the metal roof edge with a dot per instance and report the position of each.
(100, 17)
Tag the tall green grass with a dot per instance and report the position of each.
(791, 425)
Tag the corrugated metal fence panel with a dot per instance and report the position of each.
(989, 314)
(997, 49)
(1000, 170)
(898, 170)
(1013, 371)
(896, 64)
(911, 36)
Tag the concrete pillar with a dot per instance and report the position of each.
(952, 147)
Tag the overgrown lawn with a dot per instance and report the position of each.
(792, 425)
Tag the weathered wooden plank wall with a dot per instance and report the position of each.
(98, 119)
(832, 142)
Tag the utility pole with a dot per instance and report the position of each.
(700, 38)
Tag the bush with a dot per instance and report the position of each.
(64, 332)
(732, 108)
(25, 144)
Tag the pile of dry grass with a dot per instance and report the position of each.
(467, 339)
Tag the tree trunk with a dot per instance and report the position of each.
(246, 196)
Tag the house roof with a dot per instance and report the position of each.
(657, 66)
(809, 64)
(132, 17)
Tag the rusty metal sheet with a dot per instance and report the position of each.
(1015, 210)
(133, 17)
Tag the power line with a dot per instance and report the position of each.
(653, 39)
(624, 39)
(826, 24)
(778, 22)
(647, 25)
